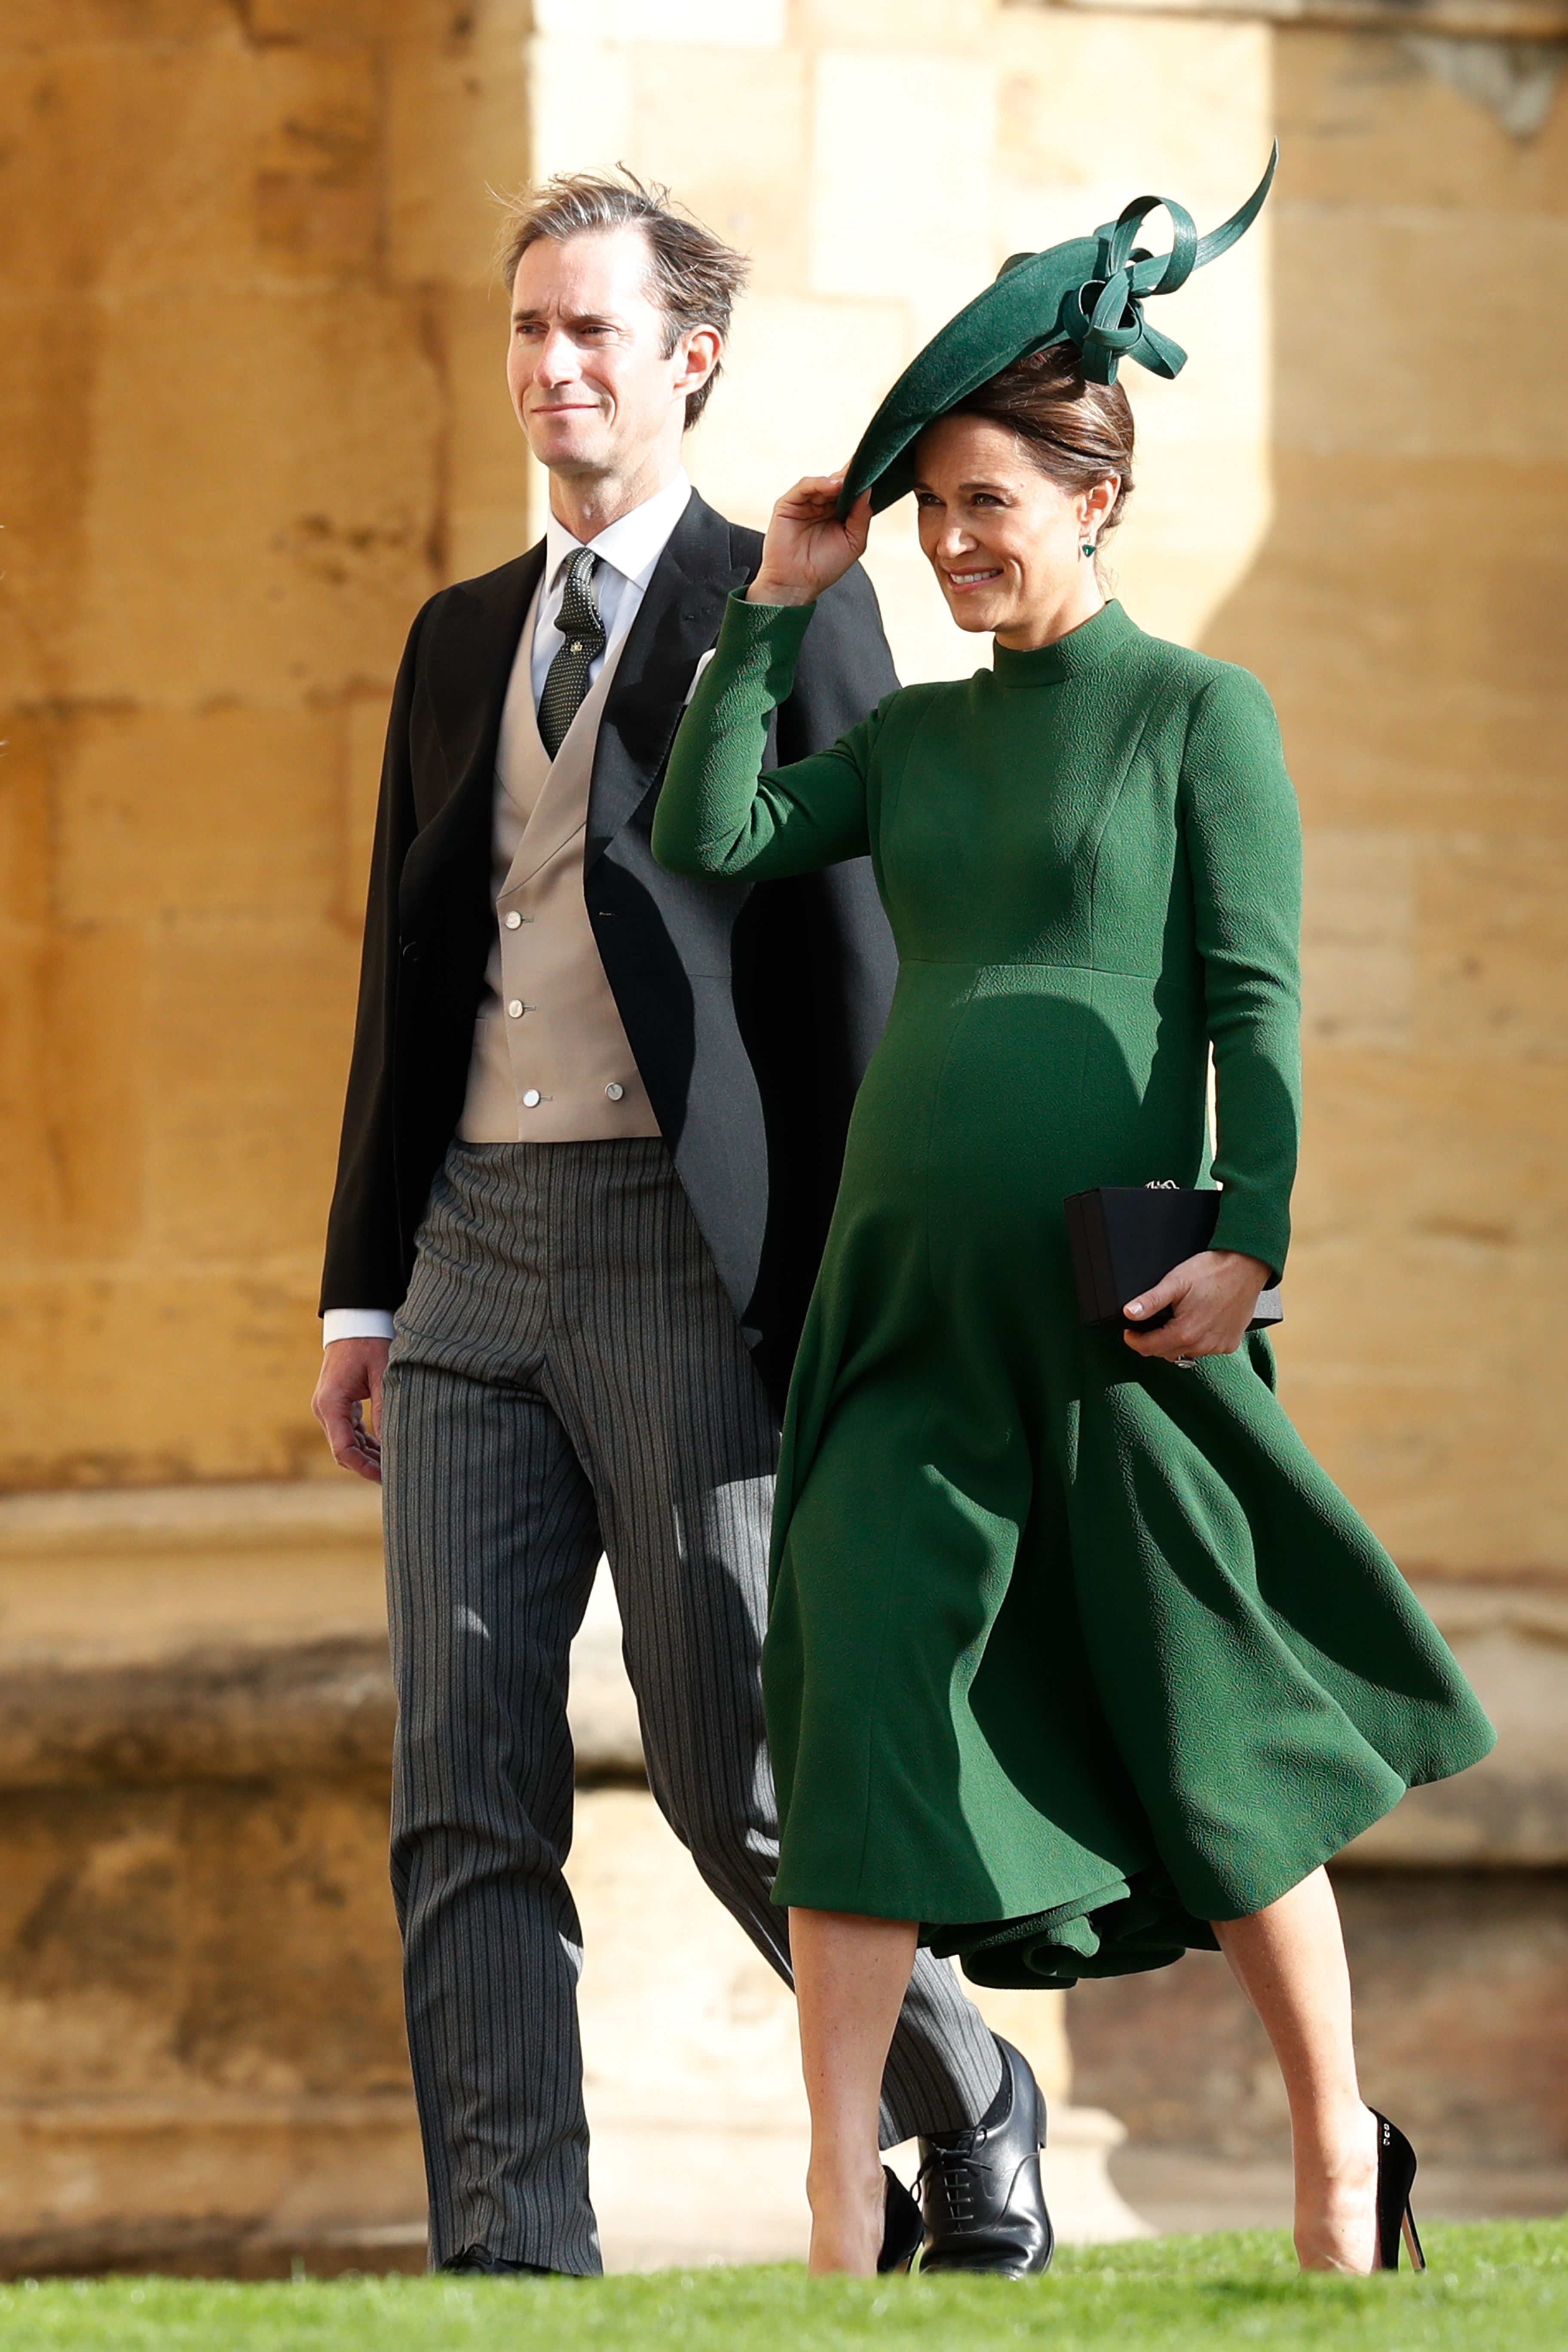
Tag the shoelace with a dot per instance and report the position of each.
(947, 2166)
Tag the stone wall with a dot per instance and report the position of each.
(1406, 611)
(251, 413)
(250, 420)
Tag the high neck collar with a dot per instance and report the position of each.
(1083, 649)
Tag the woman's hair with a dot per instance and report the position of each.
(1075, 432)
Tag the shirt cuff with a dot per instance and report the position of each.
(355, 1323)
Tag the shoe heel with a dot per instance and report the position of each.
(903, 2227)
(1395, 2178)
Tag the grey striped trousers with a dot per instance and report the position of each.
(568, 1376)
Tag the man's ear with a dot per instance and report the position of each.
(704, 350)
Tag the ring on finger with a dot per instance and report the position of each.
(1185, 1363)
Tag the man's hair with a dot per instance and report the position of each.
(693, 276)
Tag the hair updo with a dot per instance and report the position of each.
(1075, 432)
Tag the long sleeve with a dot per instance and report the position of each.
(719, 815)
(1243, 850)
(845, 669)
(363, 1256)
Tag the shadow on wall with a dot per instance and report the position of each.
(1404, 613)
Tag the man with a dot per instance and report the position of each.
(593, 1128)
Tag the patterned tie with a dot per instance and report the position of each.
(566, 681)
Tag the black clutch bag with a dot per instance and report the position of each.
(1125, 1238)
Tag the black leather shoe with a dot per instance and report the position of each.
(985, 2207)
(478, 2262)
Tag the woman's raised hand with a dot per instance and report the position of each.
(807, 548)
(1214, 1297)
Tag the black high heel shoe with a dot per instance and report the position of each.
(1395, 2174)
(903, 2227)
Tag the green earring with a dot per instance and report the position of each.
(1088, 547)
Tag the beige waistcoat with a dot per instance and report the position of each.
(551, 1062)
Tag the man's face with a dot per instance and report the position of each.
(593, 386)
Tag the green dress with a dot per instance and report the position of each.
(1069, 1653)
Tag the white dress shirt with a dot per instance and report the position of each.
(628, 552)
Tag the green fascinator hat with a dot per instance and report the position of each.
(1089, 291)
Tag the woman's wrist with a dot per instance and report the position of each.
(784, 593)
(1240, 1258)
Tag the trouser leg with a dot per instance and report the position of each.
(665, 1409)
(491, 1545)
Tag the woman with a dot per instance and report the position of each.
(1076, 1659)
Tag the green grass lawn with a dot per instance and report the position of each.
(1491, 2288)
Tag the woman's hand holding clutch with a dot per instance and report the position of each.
(807, 548)
(1212, 1298)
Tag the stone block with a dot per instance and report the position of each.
(47, 369)
(1411, 1147)
(207, 1591)
(286, 444)
(728, 129)
(320, 163)
(34, 25)
(457, 100)
(1410, 1371)
(72, 1097)
(269, 159)
(749, 23)
(217, 1967)
(579, 98)
(1416, 140)
(1193, 118)
(1460, 2026)
(35, 741)
(1411, 659)
(1494, 978)
(246, 1047)
(1358, 938)
(137, 1370)
(335, 22)
(899, 181)
(224, 812)
(1413, 394)
(900, 28)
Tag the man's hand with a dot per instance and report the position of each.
(807, 548)
(350, 1377)
(1215, 1296)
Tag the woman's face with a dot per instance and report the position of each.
(1003, 538)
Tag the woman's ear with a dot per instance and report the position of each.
(1097, 502)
